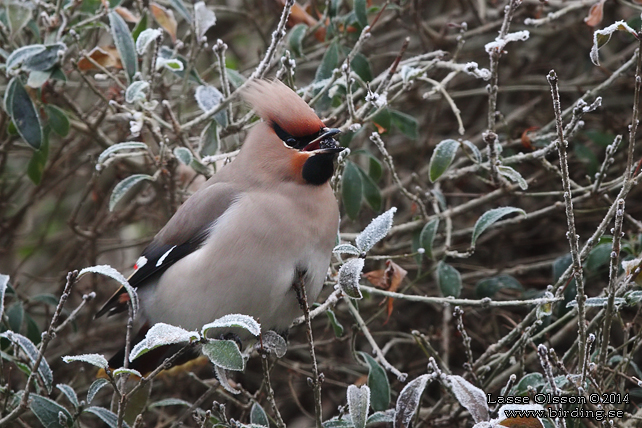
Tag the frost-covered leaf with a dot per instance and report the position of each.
(489, 218)
(45, 59)
(69, 393)
(124, 44)
(93, 359)
(107, 416)
(49, 413)
(221, 375)
(449, 280)
(31, 351)
(387, 417)
(165, 19)
(208, 97)
(162, 334)
(123, 371)
(173, 64)
(329, 62)
(473, 151)
(204, 19)
(358, 404)
(471, 397)
(351, 189)
(512, 175)
(18, 15)
(405, 123)
(210, 140)
(631, 297)
(346, 249)
(136, 92)
(4, 284)
(427, 236)
(258, 416)
(38, 78)
(408, 401)
(231, 321)
(344, 422)
(114, 274)
(236, 78)
(20, 55)
(378, 383)
(375, 231)
(601, 37)
(184, 155)
(125, 186)
(441, 158)
(295, 40)
(23, 111)
(349, 275)
(145, 38)
(128, 145)
(95, 387)
(170, 402)
(274, 343)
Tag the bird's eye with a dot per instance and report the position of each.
(290, 141)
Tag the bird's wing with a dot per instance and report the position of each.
(183, 234)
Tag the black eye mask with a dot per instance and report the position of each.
(298, 143)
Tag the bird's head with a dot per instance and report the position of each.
(293, 141)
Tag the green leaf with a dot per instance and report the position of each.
(441, 158)
(179, 6)
(36, 165)
(534, 380)
(49, 412)
(360, 12)
(258, 416)
(378, 383)
(329, 62)
(235, 78)
(336, 325)
(136, 92)
(38, 78)
(489, 286)
(127, 145)
(449, 280)
(427, 236)
(405, 123)
(361, 66)
(382, 119)
(45, 59)
(371, 192)
(351, 190)
(125, 186)
(295, 41)
(28, 347)
(97, 360)
(140, 26)
(58, 120)
(24, 113)
(210, 140)
(472, 151)
(375, 170)
(489, 218)
(512, 175)
(170, 402)
(20, 55)
(95, 387)
(225, 354)
(598, 257)
(107, 416)
(18, 15)
(184, 155)
(125, 44)
(15, 315)
(69, 393)
(408, 401)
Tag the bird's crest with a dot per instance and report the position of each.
(276, 103)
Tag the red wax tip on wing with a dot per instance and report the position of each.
(123, 298)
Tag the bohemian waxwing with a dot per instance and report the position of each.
(238, 243)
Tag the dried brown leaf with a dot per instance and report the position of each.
(107, 56)
(127, 15)
(165, 19)
(596, 12)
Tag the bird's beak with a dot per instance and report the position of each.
(325, 143)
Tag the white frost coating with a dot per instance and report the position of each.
(354, 127)
(93, 359)
(473, 69)
(169, 63)
(378, 100)
(471, 397)
(208, 97)
(145, 38)
(358, 403)
(607, 32)
(162, 334)
(500, 43)
(136, 125)
(408, 401)
(375, 231)
(349, 276)
(234, 320)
